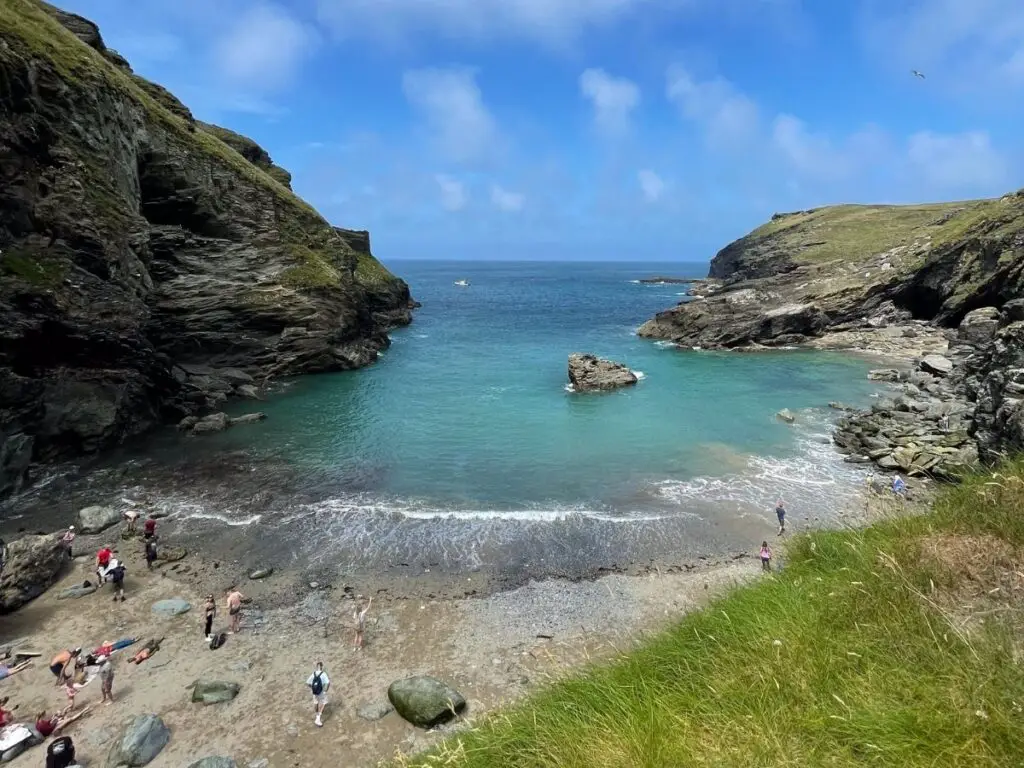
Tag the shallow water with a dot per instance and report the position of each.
(462, 447)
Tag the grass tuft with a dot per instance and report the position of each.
(854, 654)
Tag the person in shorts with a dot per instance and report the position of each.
(780, 512)
(210, 612)
(766, 556)
(318, 683)
(234, 609)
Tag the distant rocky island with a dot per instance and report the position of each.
(665, 280)
(937, 288)
(151, 265)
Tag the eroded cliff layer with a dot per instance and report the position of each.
(137, 244)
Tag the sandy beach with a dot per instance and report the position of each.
(488, 648)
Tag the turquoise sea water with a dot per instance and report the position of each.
(462, 449)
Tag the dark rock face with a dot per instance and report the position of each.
(133, 243)
(588, 373)
(424, 701)
(33, 564)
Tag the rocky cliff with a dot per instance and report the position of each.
(906, 280)
(142, 252)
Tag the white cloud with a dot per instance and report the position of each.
(960, 161)
(727, 115)
(263, 48)
(551, 20)
(453, 193)
(505, 200)
(613, 98)
(451, 103)
(810, 154)
(651, 184)
(971, 46)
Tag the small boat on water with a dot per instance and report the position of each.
(462, 283)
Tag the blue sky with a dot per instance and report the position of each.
(595, 129)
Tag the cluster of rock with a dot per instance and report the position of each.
(949, 413)
(150, 263)
(588, 373)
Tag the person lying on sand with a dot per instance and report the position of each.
(6, 671)
(150, 648)
(359, 616)
(50, 726)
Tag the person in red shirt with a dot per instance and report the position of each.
(45, 725)
(102, 562)
(149, 528)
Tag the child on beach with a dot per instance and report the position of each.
(766, 556)
(359, 616)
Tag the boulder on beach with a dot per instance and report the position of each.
(32, 566)
(214, 762)
(884, 374)
(937, 364)
(172, 607)
(214, 691)
(97, 519)
(260, 573)
(375, 712)
(73, 593)
(208, 425)
(425, 701)
(588, 373)
(140, 742)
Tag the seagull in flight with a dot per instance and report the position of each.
(915, 73)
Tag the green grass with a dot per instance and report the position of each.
(852, 232)
(26, 264)
(30, 32)
(857, 653)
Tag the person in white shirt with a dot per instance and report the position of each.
(318, 683)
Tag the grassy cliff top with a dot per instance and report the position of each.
(896, 645)
(851, 233)
(28, 32)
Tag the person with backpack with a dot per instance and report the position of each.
(318, 683)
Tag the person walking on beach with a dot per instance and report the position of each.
(780, 512)
(102, 563)
(899, 486)
(235, 609)
(117, 577)
(318, 683)
(68, 538)
(766, 556)
(150, 552)
(359, 615)
(210, 610)
(107, 681)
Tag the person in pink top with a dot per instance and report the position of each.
(766, 556)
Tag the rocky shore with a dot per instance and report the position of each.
(151, 265)
(934, 289)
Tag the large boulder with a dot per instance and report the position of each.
(208, 425)
(141, 741)
(97, 519)
(214, 762)
(214, 691)
(32, 566)
(425, 701)
(588, 373)
(979, 327)
(171, 607)
(937, 364)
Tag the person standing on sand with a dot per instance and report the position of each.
(318, 683)
(235, 609)
(150, 552)
(131, 516)
(102, 562)
(359, 615)
(117, 577)
(60, 662)
(780, 512)
(68, 538)
(766, 556)
(107, 681)
(210, 610)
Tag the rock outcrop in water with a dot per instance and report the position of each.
(588, 373)
(939, 284)
(150, 265)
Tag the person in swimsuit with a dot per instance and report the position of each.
(766, 556)
(234, 609)
(59, 664)
(6, 671)
(780, 512)
(359, 616)
(211, 613)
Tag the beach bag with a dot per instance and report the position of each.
(318, 684)
(218, 640)
(60, 753)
